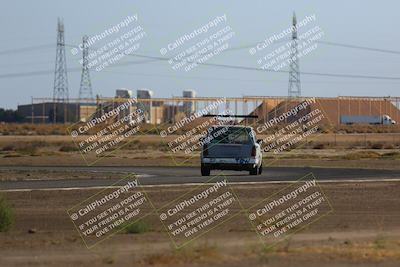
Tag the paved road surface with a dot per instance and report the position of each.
(184, 175)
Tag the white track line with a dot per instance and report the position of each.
(49, 179)
(195, 184)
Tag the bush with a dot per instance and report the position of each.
(8, 148)
(133, 145)
(138, 227)
(68, 148)
(30, 147)
(319, 146)
(391, 155)
(388, 146)
(6, 215)
(362, 155)
(377, 146)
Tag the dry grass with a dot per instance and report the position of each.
(151, 147)
(361, 155)
(366, 129)
(203, 253)
(25, 148)
(6, 215)
(322, 141)
(52, 129)
(61, 129)
(356, 252)
(33, 129)
(69, 147)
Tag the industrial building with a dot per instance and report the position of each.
(331, 108)
(169, 110)
(52, 112)
(146, 106)
(62, 109)
(156, 111)
(188, 106)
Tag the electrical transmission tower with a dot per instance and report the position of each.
(60, 92)
(85, 91)
(294, 72)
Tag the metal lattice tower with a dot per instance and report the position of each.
(85, 91)
(294, 72)
(60, 92)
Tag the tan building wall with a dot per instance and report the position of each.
(157, 115)
(332, 108)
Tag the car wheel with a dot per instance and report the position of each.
(205, 171)
(254, 171)
(260, 169)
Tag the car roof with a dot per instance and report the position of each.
(232, 126)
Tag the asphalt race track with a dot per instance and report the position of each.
(189, 175)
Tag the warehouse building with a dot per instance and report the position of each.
(53, 112)
(331, 108)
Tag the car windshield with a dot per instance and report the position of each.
(231, 135)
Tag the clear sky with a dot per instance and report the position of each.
(361, 23)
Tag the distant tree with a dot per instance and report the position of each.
(9, 115)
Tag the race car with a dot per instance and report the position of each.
(231, 147)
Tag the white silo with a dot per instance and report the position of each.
(188, 106)
(145, 105)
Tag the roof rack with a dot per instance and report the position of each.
(233, 116)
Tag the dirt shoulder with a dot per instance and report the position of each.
(152, 150)
(363, 230)
(158, 159)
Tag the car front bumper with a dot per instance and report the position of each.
(230, 163)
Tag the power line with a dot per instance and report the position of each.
(47, 72)
(337, 75)
(155, 58)
(26, 49)
(360, 47)
(235, 79)
(26, 64)
(34, 73)
(373, 49)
